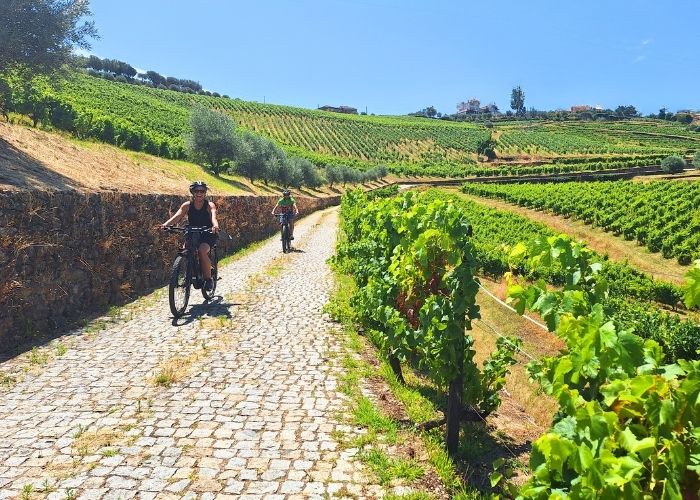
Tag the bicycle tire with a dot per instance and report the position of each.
(179, 288)
(214, 275)
(285, 238)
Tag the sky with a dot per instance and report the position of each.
(399, 56)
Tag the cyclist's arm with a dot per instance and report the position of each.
(214, 221)
(296, 210)
(181, 212)
(275, 208)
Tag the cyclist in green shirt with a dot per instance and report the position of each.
(287, 205)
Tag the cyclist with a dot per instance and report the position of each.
(288, 206)
(200, 212)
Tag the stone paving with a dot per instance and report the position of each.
(252, 412)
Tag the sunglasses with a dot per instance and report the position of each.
(200, 191)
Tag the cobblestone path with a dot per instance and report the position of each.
(251, 412)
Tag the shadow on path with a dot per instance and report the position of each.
(214, 308)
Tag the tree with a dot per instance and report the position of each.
(662, 113)
(250, 160)
(213, 140)
(155, 78)
(334, 175)
(39, 35)
(517, 101)
(309, 173)
(696, 160)
(673, 164)
(486, 148)
(290, 172)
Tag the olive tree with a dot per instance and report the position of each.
(40, 34)
(673, 164)
(213, 140)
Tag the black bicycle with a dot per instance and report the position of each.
(286, 233)
(187, 272)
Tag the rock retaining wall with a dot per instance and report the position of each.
(66, 255)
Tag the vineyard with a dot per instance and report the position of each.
(662, 215)
(626, 424)
(554, 140)
(155, 121)
(636, 298)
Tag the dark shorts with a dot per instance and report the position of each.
(208, 238)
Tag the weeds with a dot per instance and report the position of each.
(37, 357)
(60, 349)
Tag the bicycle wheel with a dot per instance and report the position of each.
(285, 238)
(214, 275)
(179, 289)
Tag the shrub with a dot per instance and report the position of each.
(673, 164)
(696, 160)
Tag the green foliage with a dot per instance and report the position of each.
(634, 297)
(673, 164)
(213, 140)
(626, 424)
(517, 101)
(40, 35)
(692, 291)
(413, 262)
(662, 215)
(696, 160)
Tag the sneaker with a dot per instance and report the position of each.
(209, 285)
(291, 237)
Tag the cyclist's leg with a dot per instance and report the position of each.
(204, 260)
(291, 226)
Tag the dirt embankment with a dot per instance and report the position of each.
(32, 159)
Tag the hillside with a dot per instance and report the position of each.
(36, 159)
(155, 120)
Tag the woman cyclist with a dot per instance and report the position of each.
(200, 212)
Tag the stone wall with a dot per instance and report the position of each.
(67, 255)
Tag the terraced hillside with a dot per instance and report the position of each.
(155, 120)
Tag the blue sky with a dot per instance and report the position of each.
(395, 57)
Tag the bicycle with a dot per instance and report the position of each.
(286, 233)
(186, 270)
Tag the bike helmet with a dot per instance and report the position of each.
(198, 184)
(286, 192)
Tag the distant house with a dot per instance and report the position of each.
(470, 106)
(473, 106)
(581, 108)
(339, 109)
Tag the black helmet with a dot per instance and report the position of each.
(198, 184)
(286, 192)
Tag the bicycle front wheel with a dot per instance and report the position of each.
(179, 289)
(285, 239)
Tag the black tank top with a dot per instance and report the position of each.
(201, 217)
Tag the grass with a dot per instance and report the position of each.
(387, 468)
(419, 398)
(175, 369)
(381, 430)
(61, 349)
(38, 357)
(91, 442)
(6, 380)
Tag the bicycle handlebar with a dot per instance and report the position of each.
(189, 229)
